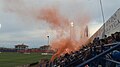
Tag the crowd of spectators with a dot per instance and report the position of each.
(86, 52)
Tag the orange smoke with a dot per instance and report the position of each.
(56, 21)
(62, 44)
(53, 17)
(65, 42)
(65, 45)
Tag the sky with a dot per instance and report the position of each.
(17, 25)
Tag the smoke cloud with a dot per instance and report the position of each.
(67, 39)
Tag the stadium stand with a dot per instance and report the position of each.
(102, 52)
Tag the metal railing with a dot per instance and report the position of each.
(116, 45)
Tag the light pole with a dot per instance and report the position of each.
(48, 39)
(103, 18)
(71, 26)
(0, 26)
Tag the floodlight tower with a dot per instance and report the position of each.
(48, 39)
(71, 29)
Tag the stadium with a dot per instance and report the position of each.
(67, 43)
(100, 51)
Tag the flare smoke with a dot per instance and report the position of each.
(66, 39)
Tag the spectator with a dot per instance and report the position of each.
(117, 34)
(105, 39)
(110, 39)
(116, 55)
(102, 42)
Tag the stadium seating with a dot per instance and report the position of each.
(107, 50)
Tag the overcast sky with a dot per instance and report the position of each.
(18, 29)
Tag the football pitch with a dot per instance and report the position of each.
(11, 59)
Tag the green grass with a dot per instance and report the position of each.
(16, 59)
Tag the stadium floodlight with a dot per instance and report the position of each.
(0, 25)
(72, 24)
(48, 39)
(71, 29)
